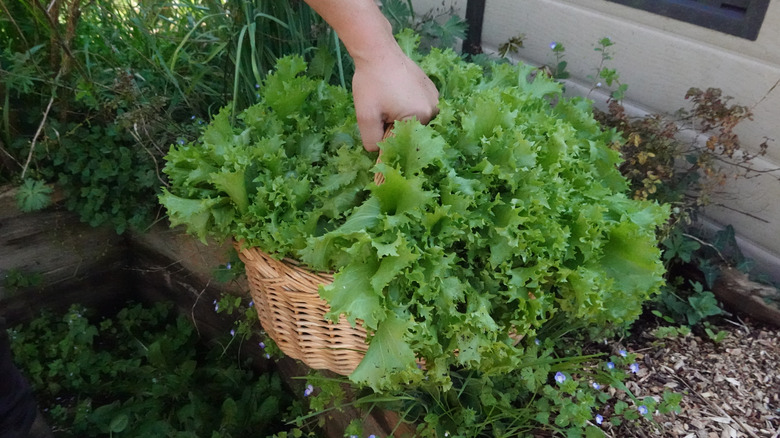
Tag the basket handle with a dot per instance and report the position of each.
(378, 177)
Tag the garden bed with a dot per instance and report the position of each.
(58, 261)
(145, 372)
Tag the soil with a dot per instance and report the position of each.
(731, 388)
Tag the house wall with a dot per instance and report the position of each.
(660, 59)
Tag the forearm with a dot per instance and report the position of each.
(366, 33)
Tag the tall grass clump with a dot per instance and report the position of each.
(93, 93)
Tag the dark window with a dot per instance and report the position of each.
(742, 18)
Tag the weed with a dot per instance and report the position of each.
(143, 373)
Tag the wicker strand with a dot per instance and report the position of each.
(290, 309)
(293, 314)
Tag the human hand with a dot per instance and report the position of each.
(387, 85)
(389, 88)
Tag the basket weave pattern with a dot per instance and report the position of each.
(293, 314)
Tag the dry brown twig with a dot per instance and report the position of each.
(37, 133)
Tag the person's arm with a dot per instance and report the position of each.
(387, 85)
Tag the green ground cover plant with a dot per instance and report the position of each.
(145, 372)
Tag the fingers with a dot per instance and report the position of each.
(371, 126)
(397, 89)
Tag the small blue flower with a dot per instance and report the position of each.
(372, 436)
(216, 307)
(634, 367)
(192, 118)
(598, 85)
(267, 356)
(560, 377)
(622, 353)
(537, 341)
(642, 409)
(308, 391)
(251, 304)
(599, 419)
(262, 345)
(228, 265)
(611, 365)
(257, 95)
(180, 141)
(553, 45)
(596, 385)
(232, 332)
(257, 86)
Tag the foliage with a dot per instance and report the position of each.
(558, 71)
(143, 373)
(33, 195)
(440, 27)
(609, 75)
(692, 308)
(114, 82)
(117, 82)
(512, 46)
(663, 332)
(661, 165)
(429, 260)
(16, 279)
(572, 396)
(105, 176)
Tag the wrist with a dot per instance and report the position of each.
(371, 43)
(361, 26)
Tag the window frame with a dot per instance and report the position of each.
(741, 18)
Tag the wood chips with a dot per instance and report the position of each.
(731, 388)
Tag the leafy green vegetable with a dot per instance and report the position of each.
(33, 195)
(504, 211)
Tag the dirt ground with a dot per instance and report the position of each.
(731, 388)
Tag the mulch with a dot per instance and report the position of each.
(731, 388)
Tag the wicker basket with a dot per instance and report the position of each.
(293, 314)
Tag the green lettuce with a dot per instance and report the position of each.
(505, 210)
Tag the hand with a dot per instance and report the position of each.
(387, 85)
(389, 88)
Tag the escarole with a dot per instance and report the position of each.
(504, 211)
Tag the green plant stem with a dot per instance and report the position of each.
(61, 41)
(702, 242)
(337, 44)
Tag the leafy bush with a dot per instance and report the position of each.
(503, 212)
(143, 373)
(114, 83)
